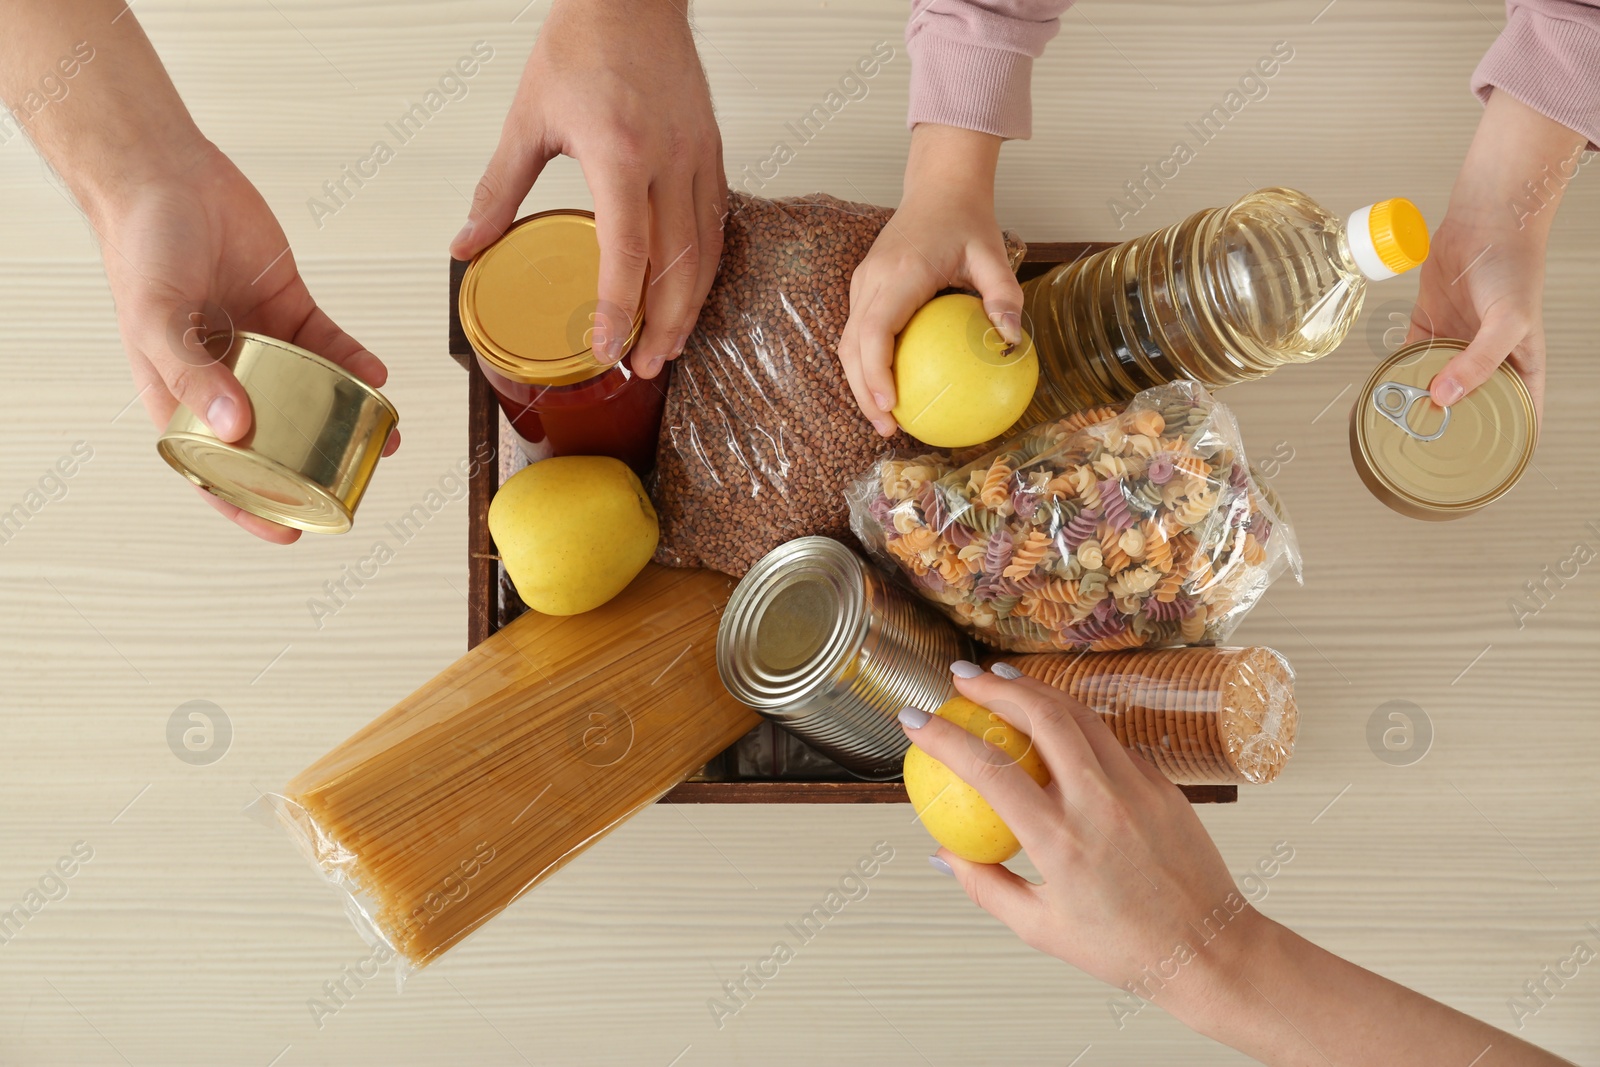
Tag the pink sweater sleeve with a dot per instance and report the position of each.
(1548, 56)
(971, 61)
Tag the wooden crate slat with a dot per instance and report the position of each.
(483, 572)
(804, 792)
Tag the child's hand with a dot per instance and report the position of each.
(943, 235)
(1484, 280)
(1129, 871)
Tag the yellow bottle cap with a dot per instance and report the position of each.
(1399, 234)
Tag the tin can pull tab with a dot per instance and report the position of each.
(1394, 401)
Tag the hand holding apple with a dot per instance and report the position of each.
(943, 236)
(1128, 869)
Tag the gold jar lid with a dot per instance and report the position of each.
(316, 435)
(528, 301)
(1429, 462)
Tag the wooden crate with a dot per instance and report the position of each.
(492, 602)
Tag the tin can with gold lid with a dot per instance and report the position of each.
(1433, 463)
(529, 305)
(316, 435)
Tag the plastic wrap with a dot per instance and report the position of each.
(761, 432)
(445, 809)
(1203, 716)
(1105, 530)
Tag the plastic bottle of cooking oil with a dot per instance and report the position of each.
(1226, 295)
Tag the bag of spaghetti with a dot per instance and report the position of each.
(1133, 527)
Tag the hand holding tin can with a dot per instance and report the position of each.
(1485, 281)
(195, 260)
(192, 251)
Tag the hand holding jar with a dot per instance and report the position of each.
(618, 87)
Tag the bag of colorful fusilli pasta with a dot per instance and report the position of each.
(1109, 529)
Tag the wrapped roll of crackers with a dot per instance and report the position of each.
(1203, 716)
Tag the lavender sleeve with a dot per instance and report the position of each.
(1548, 56)
(971, 61)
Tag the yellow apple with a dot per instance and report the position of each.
(957, 383)
(573, 531)
(951, 810)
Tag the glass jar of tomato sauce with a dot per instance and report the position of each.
(528, 305)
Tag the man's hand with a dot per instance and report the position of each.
(618, 86)
(188, 243)
(198, 251)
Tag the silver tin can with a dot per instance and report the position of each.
(821, 644)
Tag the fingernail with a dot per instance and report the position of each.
(223, 417)
(938, 864)
(1009, 323)
(914, 718)
(884, 427)
(1447, 391)
(1006, 671)
(466, 232)
(882, 401)
(683, 342)
(964, 668)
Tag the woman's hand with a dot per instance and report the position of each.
(193, 248)
(1484, 278)
(1130, 874)
(942, 236)
(1484, 283)
(617, 85)
(1136, 894)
